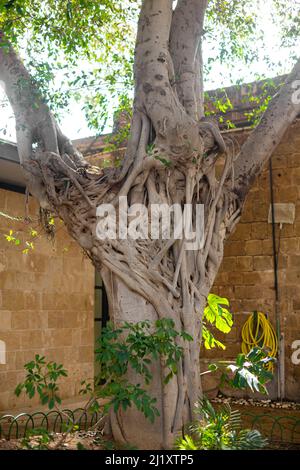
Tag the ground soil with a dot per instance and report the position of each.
(88, 440)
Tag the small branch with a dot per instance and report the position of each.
(144, 165)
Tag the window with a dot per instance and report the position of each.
(101, 315)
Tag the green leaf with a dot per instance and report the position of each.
(215, 313)
(51, 403)
(44, 399)
(209, 340)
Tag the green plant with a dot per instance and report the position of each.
(217, 314)
(30, 230)
(80, 446)
(42, 378)
(133, 346)
(37, 439)
(247, 371)
(219, 430)
(136, 346)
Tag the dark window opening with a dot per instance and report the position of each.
(101, 315)
(101, 302)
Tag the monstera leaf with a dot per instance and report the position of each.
(209, 340)
(249, 370)
(217, 314)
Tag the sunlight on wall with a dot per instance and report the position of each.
(2, 352)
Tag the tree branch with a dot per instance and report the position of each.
(263, 140)
(176, 132)
(34, 120)
(185, 49)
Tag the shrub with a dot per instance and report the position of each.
(219, 430)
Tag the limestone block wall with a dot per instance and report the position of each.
(246, 276)
(46, 303)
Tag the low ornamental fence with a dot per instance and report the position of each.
(16, 427)
(276, 428)
(284, 429)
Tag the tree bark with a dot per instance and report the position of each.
(186, 52)
(151, 279)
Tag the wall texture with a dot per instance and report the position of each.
(46, 303)
(246, 276)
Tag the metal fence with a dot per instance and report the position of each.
(15, 427)
(281, 429)
(284, 429)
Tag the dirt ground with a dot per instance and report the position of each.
(89, 440)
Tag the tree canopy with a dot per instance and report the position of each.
(83, 50)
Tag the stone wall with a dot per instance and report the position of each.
(246, 276)
(46, 303)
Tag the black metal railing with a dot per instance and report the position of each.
(15, 427)
(284, 429)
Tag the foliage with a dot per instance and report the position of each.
(26, 232)
(42, 378)
(219, 103)
(12, 237)
(122, 120)
(260, 101)
(37, 439)
(136, 346)
(28, 244)
(209, 340)
(217, 315)
(133, 346)
(219, 430)
(248, 371)
(83, 50)
(75, 50)
(244, 41)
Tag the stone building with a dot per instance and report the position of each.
(51, 301)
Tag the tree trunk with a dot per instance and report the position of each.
(175, 401)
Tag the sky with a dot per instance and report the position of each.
(73, 122)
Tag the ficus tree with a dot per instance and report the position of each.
(171, 155)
